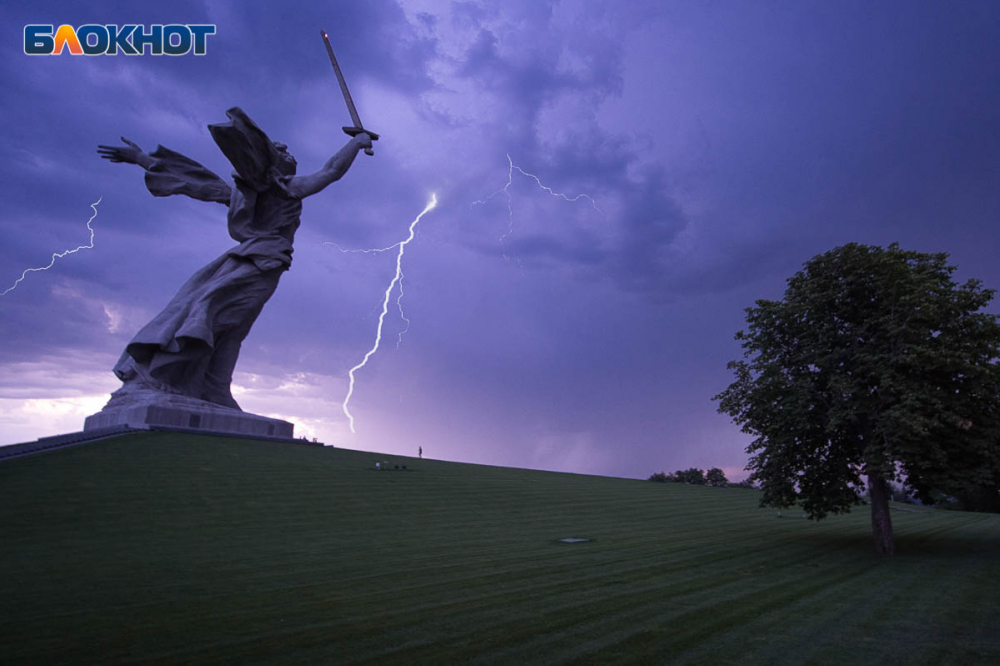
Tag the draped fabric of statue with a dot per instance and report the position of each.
(191, 347)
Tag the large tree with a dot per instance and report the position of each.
(876, 365)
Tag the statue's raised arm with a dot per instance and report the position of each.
(335, 167)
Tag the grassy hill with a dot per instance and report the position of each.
(166, 548)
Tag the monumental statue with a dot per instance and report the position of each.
(178, 370)
(186, 355)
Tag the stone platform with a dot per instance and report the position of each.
(147, 408)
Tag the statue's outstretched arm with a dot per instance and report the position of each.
(335, 167)
(169, 173)
(130, 154)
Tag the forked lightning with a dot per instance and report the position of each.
(397, 279)
(59, 255)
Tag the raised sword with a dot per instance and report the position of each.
(355, 118)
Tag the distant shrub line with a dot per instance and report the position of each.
(694, 476)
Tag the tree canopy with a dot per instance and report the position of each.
(713, 477)
(716, 477)
(875, 364)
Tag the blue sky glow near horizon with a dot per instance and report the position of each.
(724, 144)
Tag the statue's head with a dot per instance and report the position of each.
(254, 157)
(284, 161)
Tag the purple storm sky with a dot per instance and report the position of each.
(724, 143)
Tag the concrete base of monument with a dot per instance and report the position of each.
(145, 408)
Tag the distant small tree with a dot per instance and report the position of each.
(659, 477)
(716, 477)
(745, 483)
(693, 476)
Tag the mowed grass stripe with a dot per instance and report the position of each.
(159, 548)
(510, 579)
(672, 645)
(616, 615)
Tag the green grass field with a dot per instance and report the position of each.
(165, 548)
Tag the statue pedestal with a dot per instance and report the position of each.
(144, 408)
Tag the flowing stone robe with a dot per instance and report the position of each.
(191, 347)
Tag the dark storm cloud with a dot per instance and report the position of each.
(832, 123)
(283, 44)
(533, 247)
(652, 221)
(528, 72)
(531, 75)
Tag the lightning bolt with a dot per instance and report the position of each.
(397, 279)
(505, 190)
(399, 299)
(59, 255)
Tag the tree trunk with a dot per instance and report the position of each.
(878, 494)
